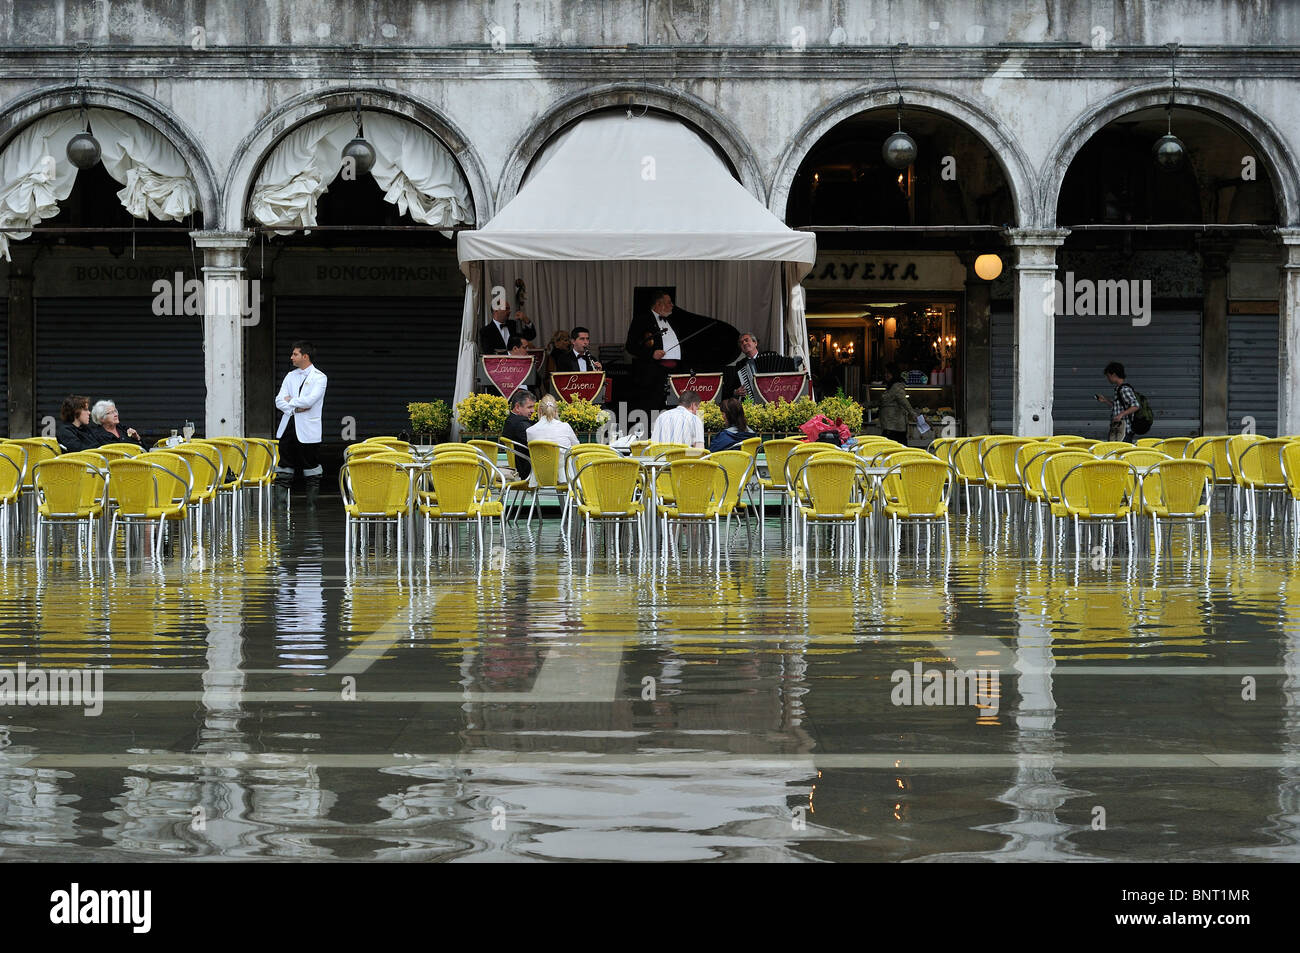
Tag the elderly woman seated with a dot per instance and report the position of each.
(74, 433)
(108, 426)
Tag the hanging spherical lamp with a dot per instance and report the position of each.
(359, 150)
(988, 267)
(1169, 151)
(899, 150)
(83, 150)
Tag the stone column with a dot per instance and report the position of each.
(1214, 338)
(975, 342)
(23, 421)
(1034, 345)
(1288, 334)
(224, 304)
(261, 364)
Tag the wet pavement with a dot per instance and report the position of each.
(279, 702)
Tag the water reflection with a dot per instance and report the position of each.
(549, 704)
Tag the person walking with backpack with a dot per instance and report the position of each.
(1123, 406)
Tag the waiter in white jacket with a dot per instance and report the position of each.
(300, 399)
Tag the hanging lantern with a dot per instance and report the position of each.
(358, 150)
(899, 150)
(988, 267)
(83, 150)
(1169, 150)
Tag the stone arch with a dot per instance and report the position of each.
(697, 112)
(1257, 131)
(257, 145)
(1015, 165)
(31, 106)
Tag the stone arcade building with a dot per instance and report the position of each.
(1034, 127)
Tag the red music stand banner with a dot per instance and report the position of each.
(773, 387)
(706, 385)
(574, 384)
(507, 373)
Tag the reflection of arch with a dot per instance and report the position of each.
(257, 145)
(697, 112)
(22, 111)
(1015, 165)
(1255, 130)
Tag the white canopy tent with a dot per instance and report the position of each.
(614, 203)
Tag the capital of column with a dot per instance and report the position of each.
(222, 252)
(1291, 247)
(1036, 247)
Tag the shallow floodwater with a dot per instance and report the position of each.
(543, 704)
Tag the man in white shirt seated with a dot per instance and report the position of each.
(682, 424)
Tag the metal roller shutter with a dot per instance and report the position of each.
(4, 366)
(1162, 360)
(151, 366)
(1252, 371)
(379, 354)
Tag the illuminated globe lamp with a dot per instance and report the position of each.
(988, 267)
(83, 150)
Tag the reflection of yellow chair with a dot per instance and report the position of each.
(1179, 491)
(609, 489)
(69, 489)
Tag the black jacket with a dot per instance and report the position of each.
(102, 436)
(73, 438)
(567, 361)
(489, 338)
(516, 429)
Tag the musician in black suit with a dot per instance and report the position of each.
(738, 378)
(494, 337)
(576, 356)
(655, 345)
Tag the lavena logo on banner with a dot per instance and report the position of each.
(177, 296)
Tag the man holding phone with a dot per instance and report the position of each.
(1122, 406)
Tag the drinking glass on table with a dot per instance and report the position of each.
(188, 429)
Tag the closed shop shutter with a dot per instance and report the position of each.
(1252, 372)
(379, 354)
(1162, 360)
(151, 366)
(4, 366)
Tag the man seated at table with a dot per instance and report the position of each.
(516, 429)
(682, 424)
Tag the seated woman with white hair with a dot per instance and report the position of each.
(106, 426)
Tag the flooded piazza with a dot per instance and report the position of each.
(276, 701)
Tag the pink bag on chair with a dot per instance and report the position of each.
(814, 428)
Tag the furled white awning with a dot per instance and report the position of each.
(417, 172)
(35, 174)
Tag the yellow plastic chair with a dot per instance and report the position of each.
(834, 490)
(1149, 441)
(1098, 493)
(609, 490)
(1176, 447)
(751, 446)
(1070, 440)
(68, 490)
(547, 474)
(775, 453)
(120, 449)
(1031, 478)
(1105, 448)
(149, 490)
(1260, 471)
(1147, 456)
(38, 450)
(793, 461)
(577, 456)
(739, 466)
(1291, 468)
(965, 457)
(489, 448)
(458, 482)
(918, 492)
(13, 463)
(699, 488)
(205, 465)
(395, 443)
(998, 464)
(375, 493)
(1055, 467)
(1215, 451)
(1179, 491)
